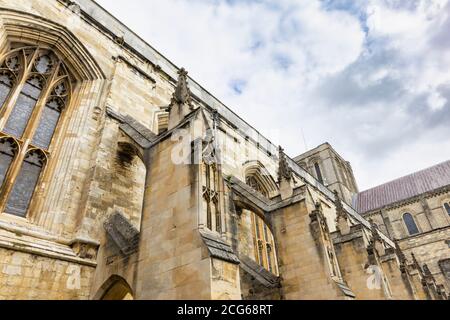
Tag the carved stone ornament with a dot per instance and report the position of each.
(85, 248)
(181, 103)
(376, 238)
(285, 177)
(401, 257)
(342, 222)
(123, 233)
(284, 170)
(182, 94)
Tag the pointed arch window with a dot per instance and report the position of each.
(410, 224)
(35, 89)
(252, 182)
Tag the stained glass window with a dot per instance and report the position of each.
(47, 123)
(21, 113)
(7, 151)
(318, 172)
(25, 184)
(32, 118)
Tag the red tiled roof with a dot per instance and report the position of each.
(403, 188)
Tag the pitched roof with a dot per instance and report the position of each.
(403, 188)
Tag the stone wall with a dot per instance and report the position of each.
(26, 276)
(303, 268)
(433, 222)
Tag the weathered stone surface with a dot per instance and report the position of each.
(218, 248)
(123, 233)
(116, 151)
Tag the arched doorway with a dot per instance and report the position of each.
(115, 288)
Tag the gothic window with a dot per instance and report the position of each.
(211, 198)
(35, 89)
(410, 224)
(252, 182)
(318, 172)
(447, 207)
(264, 243)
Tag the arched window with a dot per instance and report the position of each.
(35, 88)
(252, 182)
(318, 172)
(447, 207)
(265, 253)
(410, 224)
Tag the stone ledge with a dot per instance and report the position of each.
(40, 247)
(133, 128)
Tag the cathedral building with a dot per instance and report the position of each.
(122, 178)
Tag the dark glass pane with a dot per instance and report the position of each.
(23, 189)
(7, 152)
(447, 207)
(5, 87)
(318, 172)
(410, 224)
(23, 109)
(47, 124)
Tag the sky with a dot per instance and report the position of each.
(371, 77)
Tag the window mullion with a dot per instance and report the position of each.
(12, 98)
(40, 104)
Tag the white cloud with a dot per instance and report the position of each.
(372, 79)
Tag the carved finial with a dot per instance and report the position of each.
(342, 222)
(340, 212)
(284, 170)
(375, 232)
(182, 94)
(316, 214)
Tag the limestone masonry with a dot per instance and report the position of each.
(122, 178)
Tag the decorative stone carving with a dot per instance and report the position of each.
(123, 233)
(315, 215)
(342, 222)
(285, 176)
(181, 104)
(376, 239)
(85, 248)
(182, 94)
(73, 6)
(401, 257)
